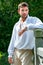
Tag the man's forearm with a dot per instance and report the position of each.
(22, 31)
(35, 27)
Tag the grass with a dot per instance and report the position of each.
(3, 59)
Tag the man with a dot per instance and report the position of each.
(23, 39)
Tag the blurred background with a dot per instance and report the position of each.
(9, 16)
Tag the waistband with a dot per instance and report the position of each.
(23, 50)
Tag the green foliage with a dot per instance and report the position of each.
(4, 59)
(9, 16)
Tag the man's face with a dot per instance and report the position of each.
(23, 11)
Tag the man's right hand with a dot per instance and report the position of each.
(22, 31)
(10, 60)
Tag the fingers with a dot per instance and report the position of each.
(10, 60)
(22, 31)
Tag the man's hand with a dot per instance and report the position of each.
(10, 60)
(22, 31)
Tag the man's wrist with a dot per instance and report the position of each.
(9, 55)
(25, 28)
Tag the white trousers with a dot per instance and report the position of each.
(22, 57)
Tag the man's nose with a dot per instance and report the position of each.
(24, 11)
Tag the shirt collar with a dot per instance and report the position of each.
(25, 20)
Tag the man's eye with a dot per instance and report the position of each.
(26, 10)
(22, 10)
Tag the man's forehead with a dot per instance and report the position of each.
(24, 7)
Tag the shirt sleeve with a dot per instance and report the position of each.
(37, 25)
(11, 45)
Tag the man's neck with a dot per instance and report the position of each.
(23, 19)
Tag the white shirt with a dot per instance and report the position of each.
(27, 39)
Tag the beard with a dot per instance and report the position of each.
(24, 17)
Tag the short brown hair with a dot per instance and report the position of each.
(22, 4)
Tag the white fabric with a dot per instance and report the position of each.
(27, 39)
(23, 57)
(40, 51)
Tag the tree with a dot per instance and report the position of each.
(9, 16)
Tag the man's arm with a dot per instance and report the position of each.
(35, 26)
(31, 27)
(22, 31)
(11, 47)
